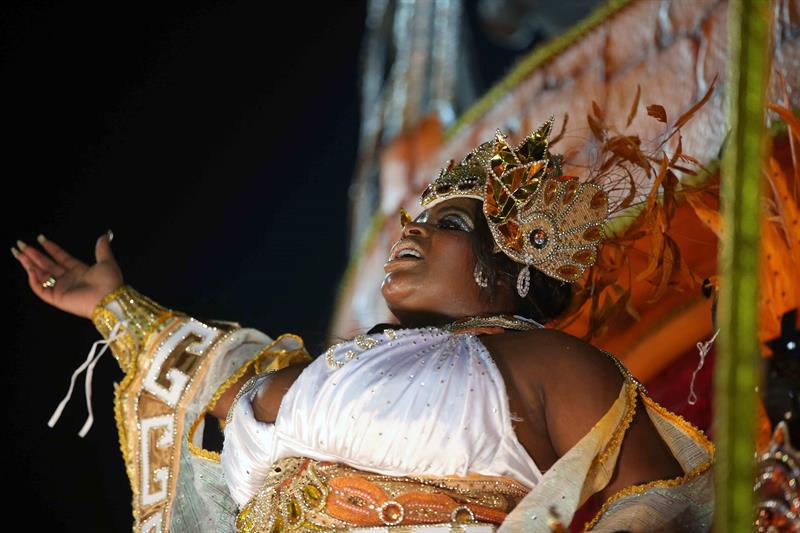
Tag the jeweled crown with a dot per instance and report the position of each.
(537, 216)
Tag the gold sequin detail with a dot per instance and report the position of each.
(503, 321)
(616, 439)
(120, 421)
(362, 342)
(365, 343)
(143, 315)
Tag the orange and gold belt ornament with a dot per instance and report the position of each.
(302, 494)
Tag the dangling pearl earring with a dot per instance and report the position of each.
(524, 282)
(480, 276)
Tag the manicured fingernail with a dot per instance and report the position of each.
(14, 252)
(41, 238)
(21, 245)
(110, 235)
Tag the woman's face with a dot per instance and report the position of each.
(429, 273)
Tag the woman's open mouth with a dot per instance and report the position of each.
(407, 253)
(405, 250)
(404, 254)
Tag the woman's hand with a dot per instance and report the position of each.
(78, 287)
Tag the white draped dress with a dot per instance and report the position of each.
(404, 402)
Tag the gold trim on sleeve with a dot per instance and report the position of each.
(615, 442)
(270, 358)
(692, 432)
(142, 315)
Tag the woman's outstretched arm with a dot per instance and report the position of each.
(177, 370)
(98, 292)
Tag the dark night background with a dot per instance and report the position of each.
(217, 141)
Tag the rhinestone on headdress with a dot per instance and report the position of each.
(537, 216)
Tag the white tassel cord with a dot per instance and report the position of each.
(703, 348)
(91, 361)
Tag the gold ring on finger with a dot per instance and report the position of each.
(49, 283)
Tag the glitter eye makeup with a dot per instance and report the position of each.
(463, 223)
(453, 216)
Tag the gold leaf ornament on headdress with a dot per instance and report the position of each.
(537, 216)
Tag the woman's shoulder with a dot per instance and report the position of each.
(554, 356)
(572, 382)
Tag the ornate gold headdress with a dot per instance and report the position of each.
(537, 216)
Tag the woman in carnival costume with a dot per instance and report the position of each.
(468, 414)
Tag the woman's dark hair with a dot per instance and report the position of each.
(547, 297)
